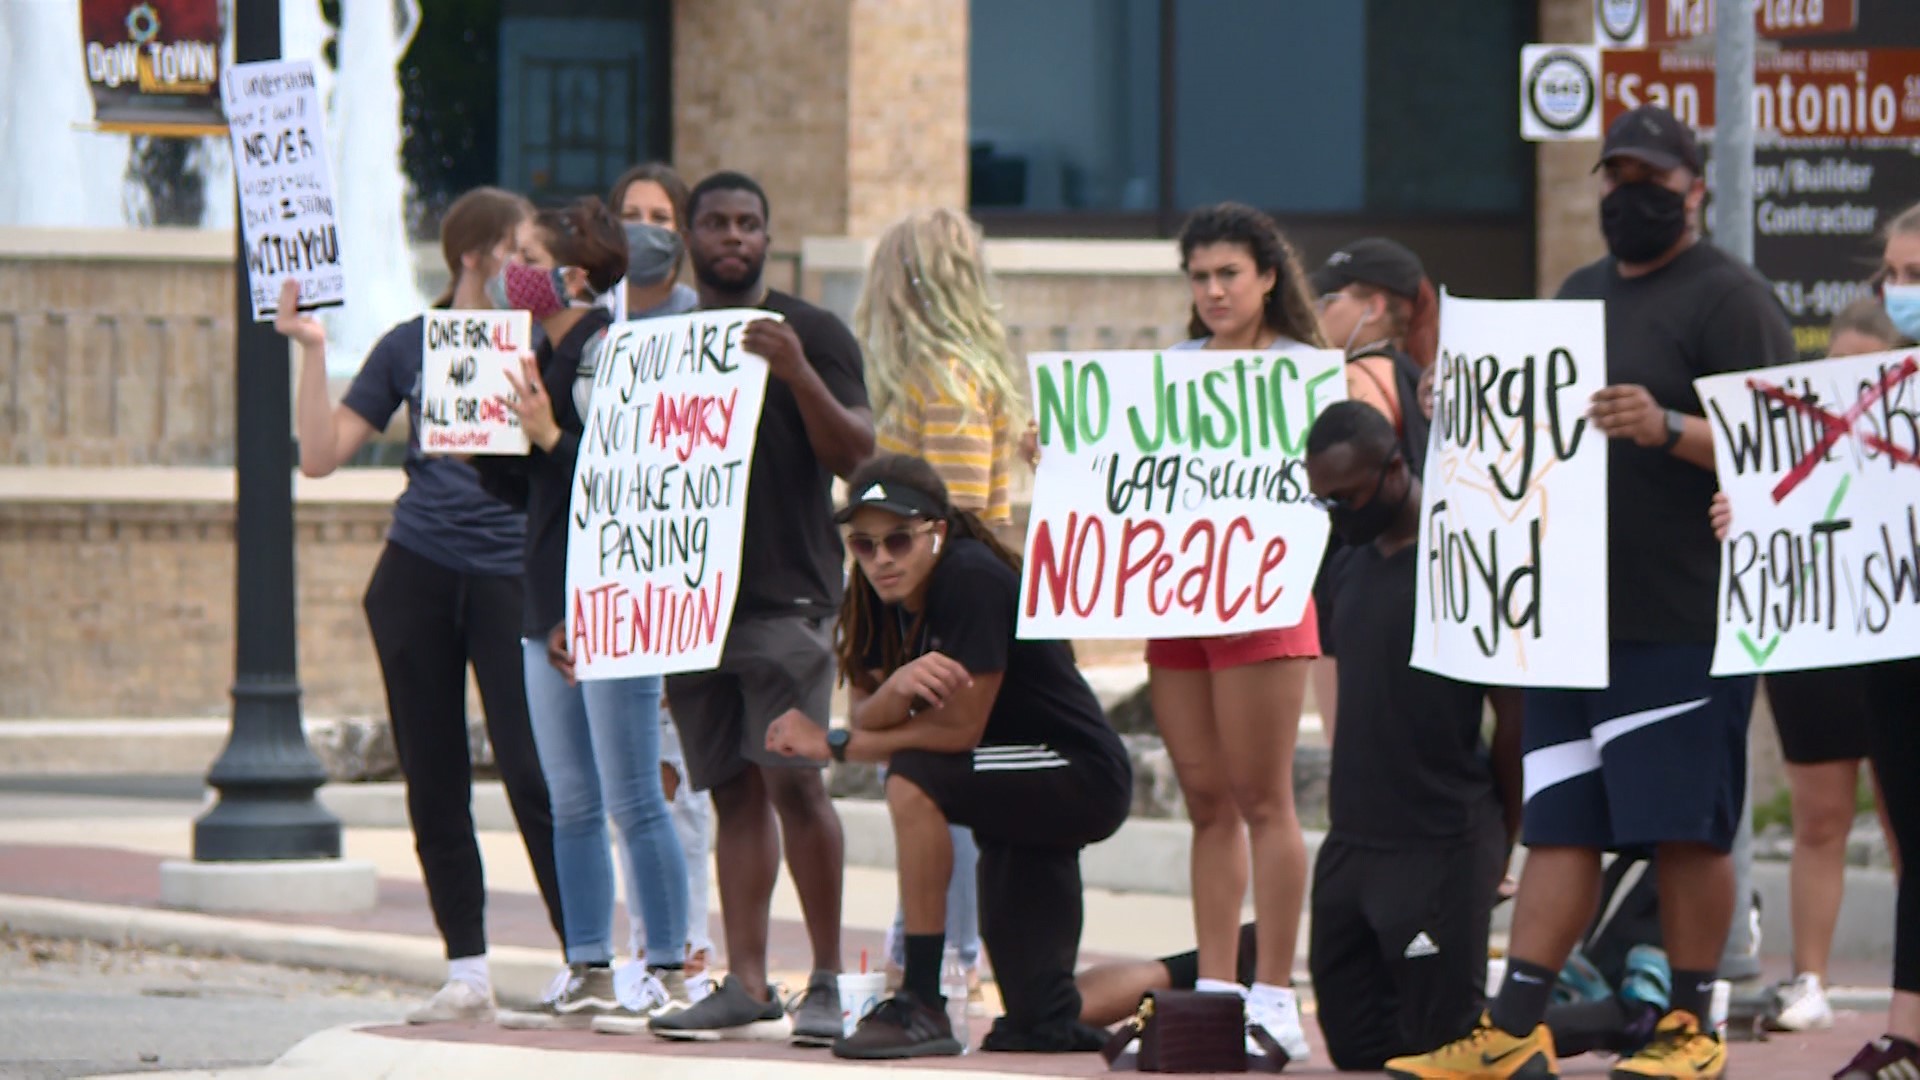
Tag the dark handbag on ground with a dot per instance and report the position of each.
(1187, 1031)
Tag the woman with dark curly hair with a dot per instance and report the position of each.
(1229, 707)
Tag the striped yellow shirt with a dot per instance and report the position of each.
(970, 445)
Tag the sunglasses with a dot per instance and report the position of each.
(1331, 503)
(898, 542)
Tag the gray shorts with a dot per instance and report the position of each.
(769, 665)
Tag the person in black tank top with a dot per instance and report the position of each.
(978, 728)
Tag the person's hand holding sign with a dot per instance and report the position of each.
(775, 342)
(931, 678)
(1720, 514)
(792, 734)
(532, 404)
(1629, 412)
(302, 329)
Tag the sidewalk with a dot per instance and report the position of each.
(98, 876)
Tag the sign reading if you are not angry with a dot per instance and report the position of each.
(465, 398)
(1171, 495)
(1513, 518)
(659, 496)
(1821, 465)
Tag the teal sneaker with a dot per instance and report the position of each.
(1648, 978)
(1580, 981)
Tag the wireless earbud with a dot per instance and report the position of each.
(936, 543)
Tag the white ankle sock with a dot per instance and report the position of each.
(471, 970)
(1218, 986)
(1267, 995)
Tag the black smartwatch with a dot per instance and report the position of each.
(837, 740)
(1676, 427)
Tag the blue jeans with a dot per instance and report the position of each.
(963, 905)
(599, 746)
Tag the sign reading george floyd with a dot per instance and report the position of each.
(286, 191)
(1513, 519)
(465, 398)
(659, 499)
(1820, 463)
(1635, 23)
(1171, 498)
(154, 65)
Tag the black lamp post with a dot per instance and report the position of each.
(266, 775)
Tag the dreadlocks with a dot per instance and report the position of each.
(862, 632)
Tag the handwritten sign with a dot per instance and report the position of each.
(1821, 463)
(1171, 495)
(1513, 521)
(286, 192)
(464, 392)
(660, 495)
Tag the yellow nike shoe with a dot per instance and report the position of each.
(1485, 1053)
(1679, 1048)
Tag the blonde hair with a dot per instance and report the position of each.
(927, 313)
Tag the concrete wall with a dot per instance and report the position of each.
(1566, 195)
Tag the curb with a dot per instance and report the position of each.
(351, 1052)
(520, 974)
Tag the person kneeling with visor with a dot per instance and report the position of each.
(978, 729)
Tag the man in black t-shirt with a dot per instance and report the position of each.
(778, 657)
(1421, 812)
(1657, 760)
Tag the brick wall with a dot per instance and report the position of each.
(116, 347)
(1567, 198)
(849, 112)
(122, 606)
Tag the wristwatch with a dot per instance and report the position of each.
(1676, 427)
(837, 740)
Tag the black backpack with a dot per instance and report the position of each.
(1414, 425)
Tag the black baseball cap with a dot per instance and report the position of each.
(1653, 135)
(1374, 261)
(892, 496)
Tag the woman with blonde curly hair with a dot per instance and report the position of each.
(944, 389)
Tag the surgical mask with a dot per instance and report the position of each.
(1363, 525)
(653, 253)
(1642, 220)
(1903, 307)
(540, 293)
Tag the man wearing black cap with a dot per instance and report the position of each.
(1657, 760)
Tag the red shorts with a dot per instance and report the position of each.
(1300, 642)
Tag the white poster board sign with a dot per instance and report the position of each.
(1821, 464)
(1171, 495)
(464, 392)
(1513, 521)
(287, 215)
(660, 495)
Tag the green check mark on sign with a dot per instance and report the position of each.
(1761, 653)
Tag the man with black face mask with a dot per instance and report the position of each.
(1657, 760)
(1422, 813)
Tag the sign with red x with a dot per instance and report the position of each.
(1820, 463)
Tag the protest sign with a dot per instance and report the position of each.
(660, 495)
(286, 192)
(1820, 462)
(1171, 495)
(464, 392)
(1513, 521)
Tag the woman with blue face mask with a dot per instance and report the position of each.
(1900, 273)
(651, 201)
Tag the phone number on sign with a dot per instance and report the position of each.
(1821, 299)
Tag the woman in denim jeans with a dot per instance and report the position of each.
(599, 742)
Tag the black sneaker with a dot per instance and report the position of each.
(1886, 1058)
(900, 1027)
(727, 1013)
(816, 1013)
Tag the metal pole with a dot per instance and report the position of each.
(266, 775)
(1733, 53)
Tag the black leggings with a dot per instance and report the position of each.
(429, 623)
(1893, 690)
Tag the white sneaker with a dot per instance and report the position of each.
(1802, 1005)
(642, 996)
(456, 1002)
(1278, 1011)
(576, 996)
